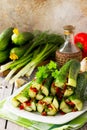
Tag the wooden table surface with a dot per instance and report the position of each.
(6, 90)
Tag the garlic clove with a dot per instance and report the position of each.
(83, 64)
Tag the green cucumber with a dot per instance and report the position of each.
(73, 73)
(5, 38)
(4, 56)
(69, 91)
(22, 38)
(40, 107)
(55, 103)
(21, 98)
(46, 86)
(17, 52)
(64, 107)
(51, 111)
(78, 103)
(47, 99)
(15, 102)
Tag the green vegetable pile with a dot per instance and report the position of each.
(26, 51)
(54, 90)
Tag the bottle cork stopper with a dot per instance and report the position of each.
(69, 28)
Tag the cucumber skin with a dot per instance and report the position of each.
(5, 38)
(73, 73)
(4, 56)
(22, 38)
(19, 51)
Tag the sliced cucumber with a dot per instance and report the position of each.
(39, 96)
(53, 89)
(48, 99)
(33, 105)
(15, 102)
(40, 107)
(46, 86)
(68, 92)
(55, 103)
(64, 107)
(51, 111)
(45, 90)
(32, 94)
(21, 98)
(36, 85)
(28, 108)
(78, 103)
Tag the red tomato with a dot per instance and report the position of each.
(80, 39)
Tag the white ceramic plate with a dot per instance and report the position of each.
(58, 119)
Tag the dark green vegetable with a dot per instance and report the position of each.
(5, 38)
(4, 55)
(22, 38)
(73, 73)
(81, 88)
(17, 52)
(62, 74)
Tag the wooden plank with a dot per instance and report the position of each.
(2, 124)
(13, 126)
(5, 91)
(5, 88)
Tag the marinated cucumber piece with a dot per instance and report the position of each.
(15, 102)
(55, 103)
(73, 73)
(78, 103)
(64, 107)
(48, 99)
(62, 75)
(68, 92)
(46, 86)
(33, 105)
(32, 92)
(51, 111)
(45, 90)
(28, 108)
(53, 89)
(39, 96)
(36, 85)
(21, 98)
(40, 107)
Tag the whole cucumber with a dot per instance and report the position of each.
(5, 38)
(4, 56)
(22, 38)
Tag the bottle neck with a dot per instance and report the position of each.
(69, 38)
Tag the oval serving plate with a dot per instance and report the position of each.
(58, 119)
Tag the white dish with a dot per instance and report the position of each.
(58, 119)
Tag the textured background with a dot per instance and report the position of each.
(43, 14)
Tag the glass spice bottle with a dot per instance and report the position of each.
(68, 50)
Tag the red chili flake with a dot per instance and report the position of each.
(34, 89)
(50, 106)
(74, 110)
(28, 103)
(21, 107)
(70, 103)
(61, 112)
(41, 102)
(53, 84)
(44, 113)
